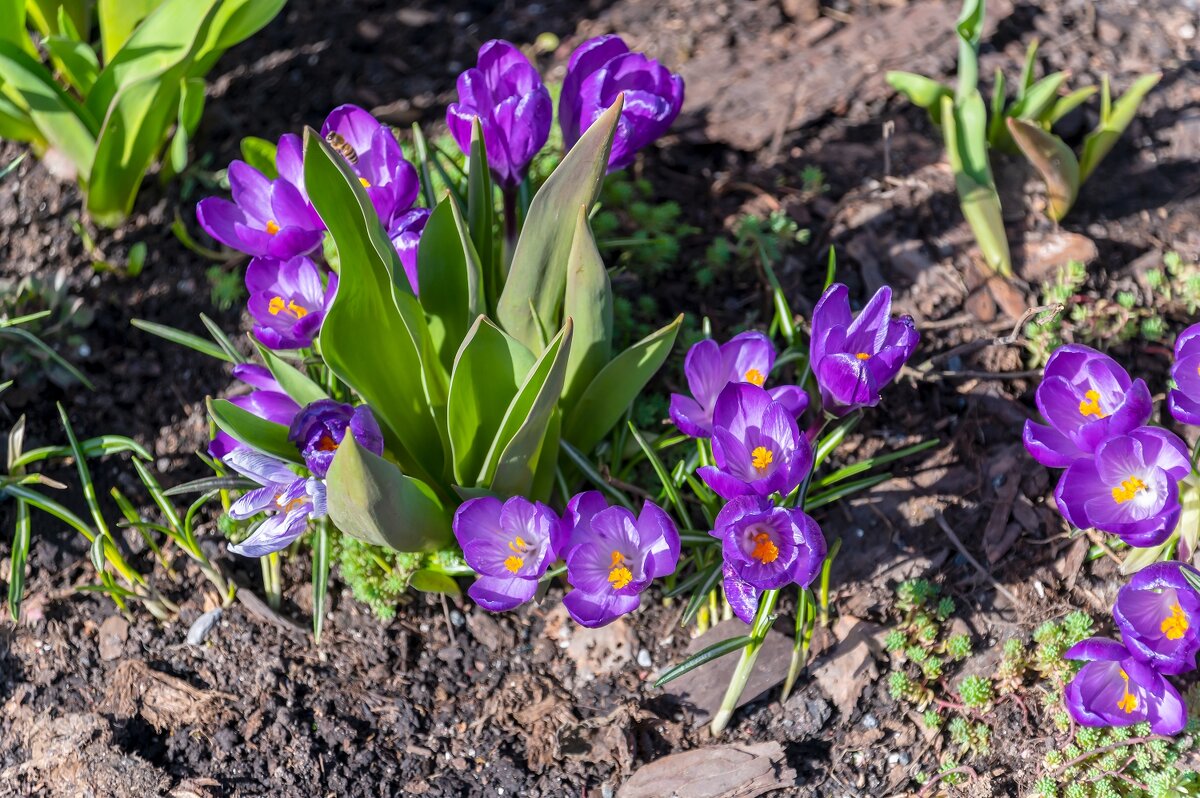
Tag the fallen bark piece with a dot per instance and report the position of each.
(719, 771)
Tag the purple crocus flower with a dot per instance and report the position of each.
(756, 444)
(1130, 488)
(1115, 689)
(602, 68)
(612, 556)
(405, 233)
(288, 500)
(1158, 614)
(267, 218)
(509, 545)
(1087, 398)
(375, 156)
(709, 367)
(319, 428)
(854, 358)
(288, 301)
(268, 402)
(505, 91)
(765, 547)
(1184, 400)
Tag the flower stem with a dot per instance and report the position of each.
(272, 578)
(511, 226)
(801, 643)
(763, 620)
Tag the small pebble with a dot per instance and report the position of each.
(643, 659)
(870, 721)
(200, 628)
(457, 618)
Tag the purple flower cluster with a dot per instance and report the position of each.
(274, 222)
(612, 555)
(1124, 477)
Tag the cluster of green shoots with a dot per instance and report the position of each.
(1174, 289)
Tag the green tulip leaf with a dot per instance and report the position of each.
(921, 91)
(76, 62)
(260, 154)
(964, 128)
(427, 581)
(588, 303)
(450, 277)
(609, 395)
(371, 499)
(63, 123)
(255, 432)
(1053, 160)
(481, 214)
(294, 382)
(1113, 121)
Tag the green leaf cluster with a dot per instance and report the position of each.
(112, 102)
(1022, 125)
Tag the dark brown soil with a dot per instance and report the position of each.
(450, 701)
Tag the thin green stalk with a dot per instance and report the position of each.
(322, 544)
(802, 641)
(272, 578)
(763, 619)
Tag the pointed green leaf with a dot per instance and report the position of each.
(547, 459)
(191, 108)
(1113, 123)
(449, 274)
(969, 28)
(616, 386)
(538, 273)
(118, 19)
(61, 121)
(588, 302)
(488, 372)
(996, 131)
(1054, 161)
(1027, 70)
(481, 214)
(509, 466)
(921, 91)
(964, 129)
(182, 338)
(1040, 97)
(427, 581)
(235, 21)
(1065, 105)
(12, 25)
(372, 500)
(374, 336)
(258, 433)
(76, 62)
(260, 154)
(294, 382)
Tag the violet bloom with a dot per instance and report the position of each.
(375, 156)
(1184, 400)
(505, 91)
(612, 556)
(1130, 488)
(288, 301)
(854, 358)
(510, 545)
(709, 367)
(756, 444)
(1157, 613)
(765, 547)
(1087, 398)
(1115, 689)
(319, 428)
(267, 218)
(288, 499)
(405, 233)
(268, 402)
(602, 68)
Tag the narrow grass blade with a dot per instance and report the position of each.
(697, 600)
(26, 337)
(322, 546)
(183, 339)
(92, 448)
(234, 356)
(85, 475)
(669, 485)
(17, 558)
(715, 651)
(835, 494)
(872, 462)
(211, 483)
(589, 471)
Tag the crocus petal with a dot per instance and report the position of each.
(792, 397)
(741, 595)
(274, 534)
(1050, 447)
(595, 610)
(262, 468)
(691, 419)
(498, 594)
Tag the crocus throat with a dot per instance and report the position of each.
(272, 226)
(755, 377)
(278, 306)
(365, 183)
(1090, 405)
(518, 547)
(863, 356)
(1175, 625)
(326, 443)
(619, 576)
(288, 506)
(1128, 489)
(1128, 701)
(760, 458)
(765, 550)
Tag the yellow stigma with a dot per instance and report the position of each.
(619, 576)
(1174, 625)
(288, 506)
(1090, 406)
(765, 551)
(272, 227)
(518, 547)
(1128, 701)
(277, 306)
(514, 563)
(863, 356)
(1127, 490)
(760, 458)
(755, 377)
(365, 183)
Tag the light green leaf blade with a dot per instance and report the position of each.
(921, 91)
(371, 499)
(235, 21)
(513, 458)
(295, 383)
(588, 302)
(488, 372)
(1040, 97)
(427, 581)
(1053, 160)
(260, 154)
(969, 28)
(76, 62)
(258, 433)
(195, 342)
(964, 129)
(616, 386)
(538, 272)
(449, 274)
(1065, 105)
(12, 25)
(118, 18)
(1100, 141)
(63, 123)
(191, 108)
(481, 214)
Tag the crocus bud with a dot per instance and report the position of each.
(505, 91)
(599, 70)
(319, 429)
